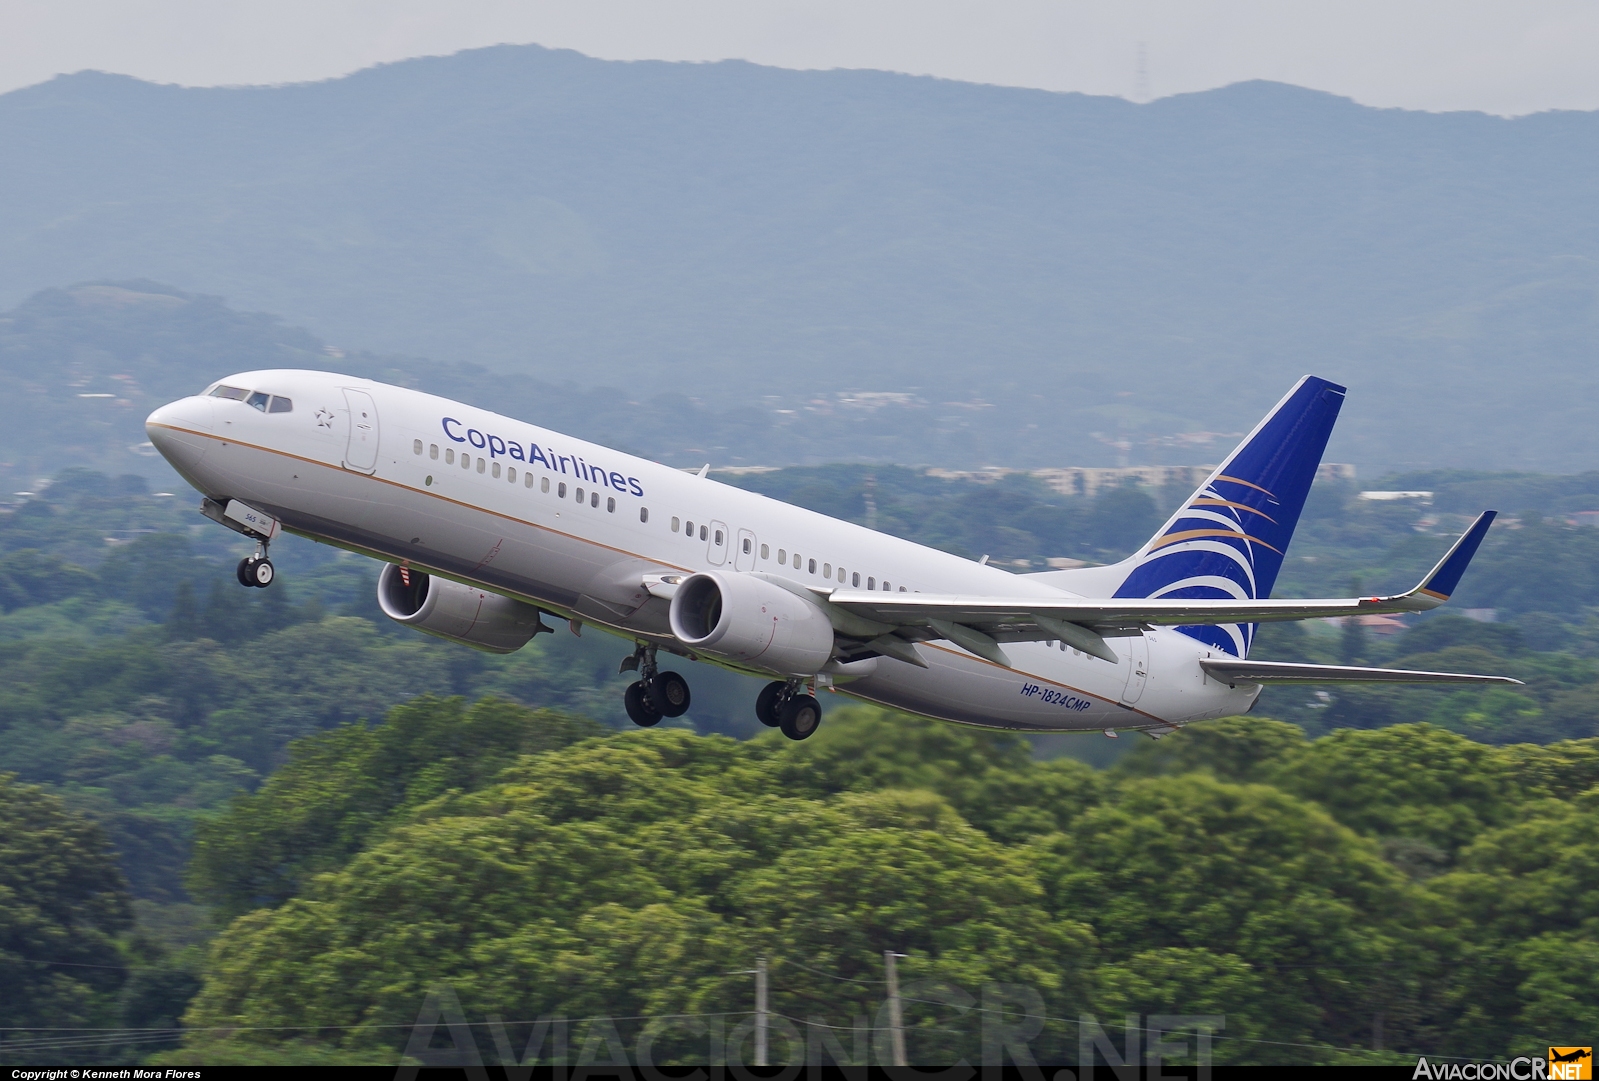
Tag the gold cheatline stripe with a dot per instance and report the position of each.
(1195, 534)
(961, 654)
(1245, 483)
(1230, 503)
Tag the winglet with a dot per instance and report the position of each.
(1440, 583)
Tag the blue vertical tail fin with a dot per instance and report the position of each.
(1228, 539)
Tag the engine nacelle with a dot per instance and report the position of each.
(464, 614)
(739, 617)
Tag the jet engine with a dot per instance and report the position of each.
(464, 614)
(745, 619)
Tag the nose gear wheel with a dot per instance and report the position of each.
(256, 571)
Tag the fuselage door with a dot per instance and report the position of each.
(361, 453)
(744, 554)
(1137, 668)
(716, 550)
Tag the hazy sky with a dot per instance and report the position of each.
(1493, 55)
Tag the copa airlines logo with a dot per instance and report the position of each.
(1212, 549)
(533, 454)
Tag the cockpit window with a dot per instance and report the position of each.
(237, 394)
(259, 400)
(280, 405)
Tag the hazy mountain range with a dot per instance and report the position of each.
(1026, 276)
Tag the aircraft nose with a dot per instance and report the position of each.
(179, 430)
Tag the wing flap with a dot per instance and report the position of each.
(1018, 618)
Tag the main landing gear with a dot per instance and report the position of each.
(256, 570)
(655, 694)
(788, 707)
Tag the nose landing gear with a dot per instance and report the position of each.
(655, 694)
(256, 570)
(786, 706)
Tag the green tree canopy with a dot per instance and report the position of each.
(341, 786)
(62, 904)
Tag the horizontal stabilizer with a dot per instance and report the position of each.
(1232, 672)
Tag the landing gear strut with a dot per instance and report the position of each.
(655, 694)
(256, 570)
(787, 706)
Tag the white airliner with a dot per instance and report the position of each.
(485, 523)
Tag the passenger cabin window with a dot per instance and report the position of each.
(871, 583)
(644, 514)
(702, 532)
(674, 524)
(747, 546)
(813, 566)
(782, 556)
(237, 394)
(688, 530)
(610, 504)
(594, 499)
(902, 589)
(855, 579)
(766, 552)
(560, 490)
(433, 451)
(480, 463)
(416, 446)
(280, 405)
(510, 474)
(449, 455)
(579, 495)
(544, 483)
(258, 400)
(797, 561)
(496, 470)
(841, 574)
(718, 537)
(827, 570)
(466, 461)
(886, 587)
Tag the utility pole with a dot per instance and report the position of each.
(896, 1020)
(760, 1011)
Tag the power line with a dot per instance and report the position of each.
(829, 975)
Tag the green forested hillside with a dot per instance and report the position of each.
(1029, 270)
(1407, 879)
(224, 744)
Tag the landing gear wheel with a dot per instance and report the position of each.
(256, 571)
(669, 694)
(801, 717)
(769, 703)
(639, 706)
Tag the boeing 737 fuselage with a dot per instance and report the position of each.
(486, 523)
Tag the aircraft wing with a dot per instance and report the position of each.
(980, 623)
(1233, 672)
